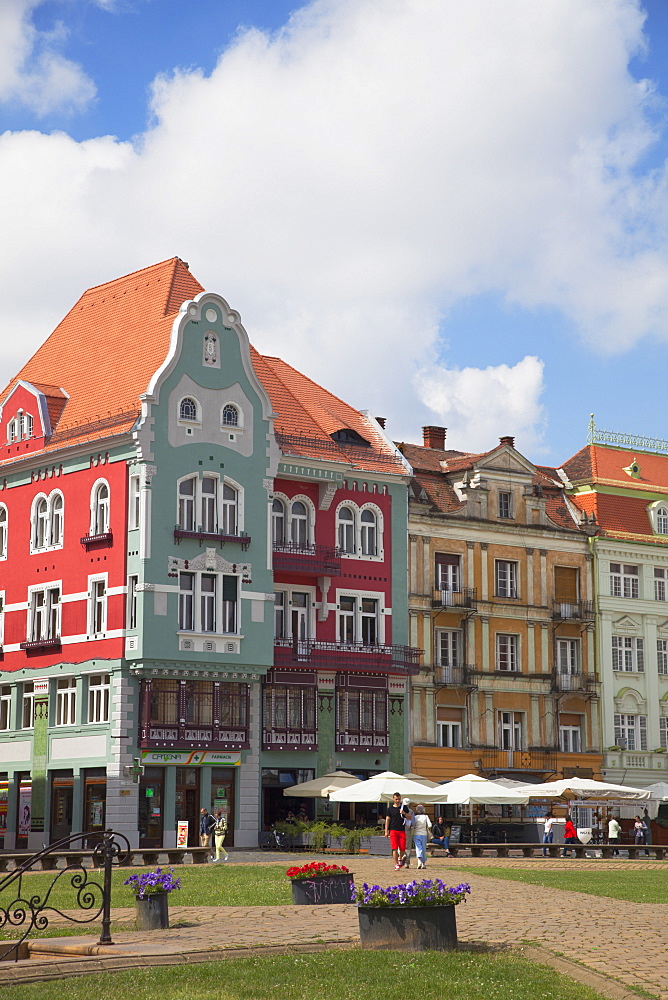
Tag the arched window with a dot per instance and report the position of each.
(662, 521)
(278, 522)
(230, 416)
(229, 512)
(368, 533)
(12, 430)
(41, 524)
(3, 531)
(56, 520)
(346, 529)
(100, 509)
(188, 409)
(187, 504)
(299, 533)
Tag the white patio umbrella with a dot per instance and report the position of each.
(473, 789)
(585, 788)
(422, 781)
(382, 787)
(659, 790)
(320, 788)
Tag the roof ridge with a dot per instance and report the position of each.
(133, 274)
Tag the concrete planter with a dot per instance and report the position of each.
(336, 888)
(152, 911)
(408, 928)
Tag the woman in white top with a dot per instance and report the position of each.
(421, 828)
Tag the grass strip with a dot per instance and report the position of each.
(632, 886)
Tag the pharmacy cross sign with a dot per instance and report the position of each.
(136, 770)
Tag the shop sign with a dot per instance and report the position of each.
(191, 758)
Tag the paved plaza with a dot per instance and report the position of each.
(624, 941)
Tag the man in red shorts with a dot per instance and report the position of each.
(396, 831)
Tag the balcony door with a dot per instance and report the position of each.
(510, 734)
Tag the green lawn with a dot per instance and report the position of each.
(635, 886)
(346, 975)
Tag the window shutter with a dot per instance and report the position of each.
(640, 657)
(565, 583)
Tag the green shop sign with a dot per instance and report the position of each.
(191, 758)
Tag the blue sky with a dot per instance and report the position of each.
(447, 213)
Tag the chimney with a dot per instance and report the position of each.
(510, 441)
(381, 421)
(434, 437)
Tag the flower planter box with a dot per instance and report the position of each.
(152, 911)
(408, 928)
(336, 888)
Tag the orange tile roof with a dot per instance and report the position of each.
(430, 459)
(605, 465)
(619, 516)
(105, 350)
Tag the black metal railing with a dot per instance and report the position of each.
(26, 911)
(319, 560)
(346, 655)
(458, 600)
(455, 676)
(218, 537)
(566, 611)
(533, 759)
(579, 682)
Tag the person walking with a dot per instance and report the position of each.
(647, 823)
(421, 828)
(548, 833)
(206, 825)
(570, 837)
(219, 832)
(439, 836)
(638, 831)
(409, 820)
(396, 831)
(614, 833)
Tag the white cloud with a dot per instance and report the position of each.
(478, 405)
(345, 182)
(33, 73)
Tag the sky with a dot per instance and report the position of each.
(447, 212)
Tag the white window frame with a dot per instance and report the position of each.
(628, 654)
(505, 505)
(224, 613)
(449, 575)
(449, 734)
(624, 580)
(100, 508)
(56, 520)
(663, 732)
(66, 702)
(28, 704)
(662, 520)
(511, 642)
(2, 618)
(568, 656)
(512, 725)
(97, 605)
(346, 529)
(289, 607)
(379, 554)
(5, 708)
(131, 608)
(4, 527)
(238, 423)
(358, 616)
(279, 540)
(662, 656)
(570, 739)
(631, 731)
(660, 576)
(449, 646)
(50, 624)
(134, 501)
(506, 579)
(308, 521)
(99, 697)
(39, 520)
(196, 503)
(189, 421)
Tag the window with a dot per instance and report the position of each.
(28, 711)
(566, 586)
(449, 734)
(299, 526)
(209, 507)
(660, 584)
(631, 732)
(509, 725)
(288, 714)
(134, 502)
(208, 602)
(449, 648)
(628, 653)
(66, 699)
(279, 615)
(97, 612)
(41, 523)
(56, 520)
(44, 614)
(662, 521)
(448, 576)
(5, 707)
(100, 509)
(361, 715)
(663, 733)
(506, 652)
(188, 409)
(187, 504)
(569, 739)
(47, 522)
(278, 522)
(346, 530)
(568, 656)
(198, 703)
(505, 504)
(368, 533)
(506, 578)
(164, 702)
(98, 698)
(3, 531)
(229, 519)
(230, 416)
(358, 620)
(20, 427)
(216, 502)
(624, 580)
(662, 656)
(131, 611)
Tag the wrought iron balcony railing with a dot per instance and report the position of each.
(580, 682)
(316, 653)
(459, 676)
(534, 759)
(573, 611)
(318, 560)
(458, 600)
(217, 537)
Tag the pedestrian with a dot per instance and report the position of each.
(638, 831)
(548, 833)
(647, 823)
(570, 837)
(396, 831)
(219, 831)
(206, 825)
(439, 836)
(409, 820)
(421, 828)
(614, 833)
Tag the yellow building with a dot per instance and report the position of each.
(501, 602)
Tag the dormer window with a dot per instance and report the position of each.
(230, 416)
(346, 435)
(662, 521)
(20, 427)
(505, 504)
(188, 409)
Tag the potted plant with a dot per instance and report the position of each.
(320, 883)
(416, 916)
(151, 891)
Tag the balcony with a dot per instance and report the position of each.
(577, 683)
(458, 600)
(105, 538)
(314, 560)
(40, 645)
(184, 736)
(459, 676)
(317, 654)
(534, 760)
(568, 611)
(217, 537)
